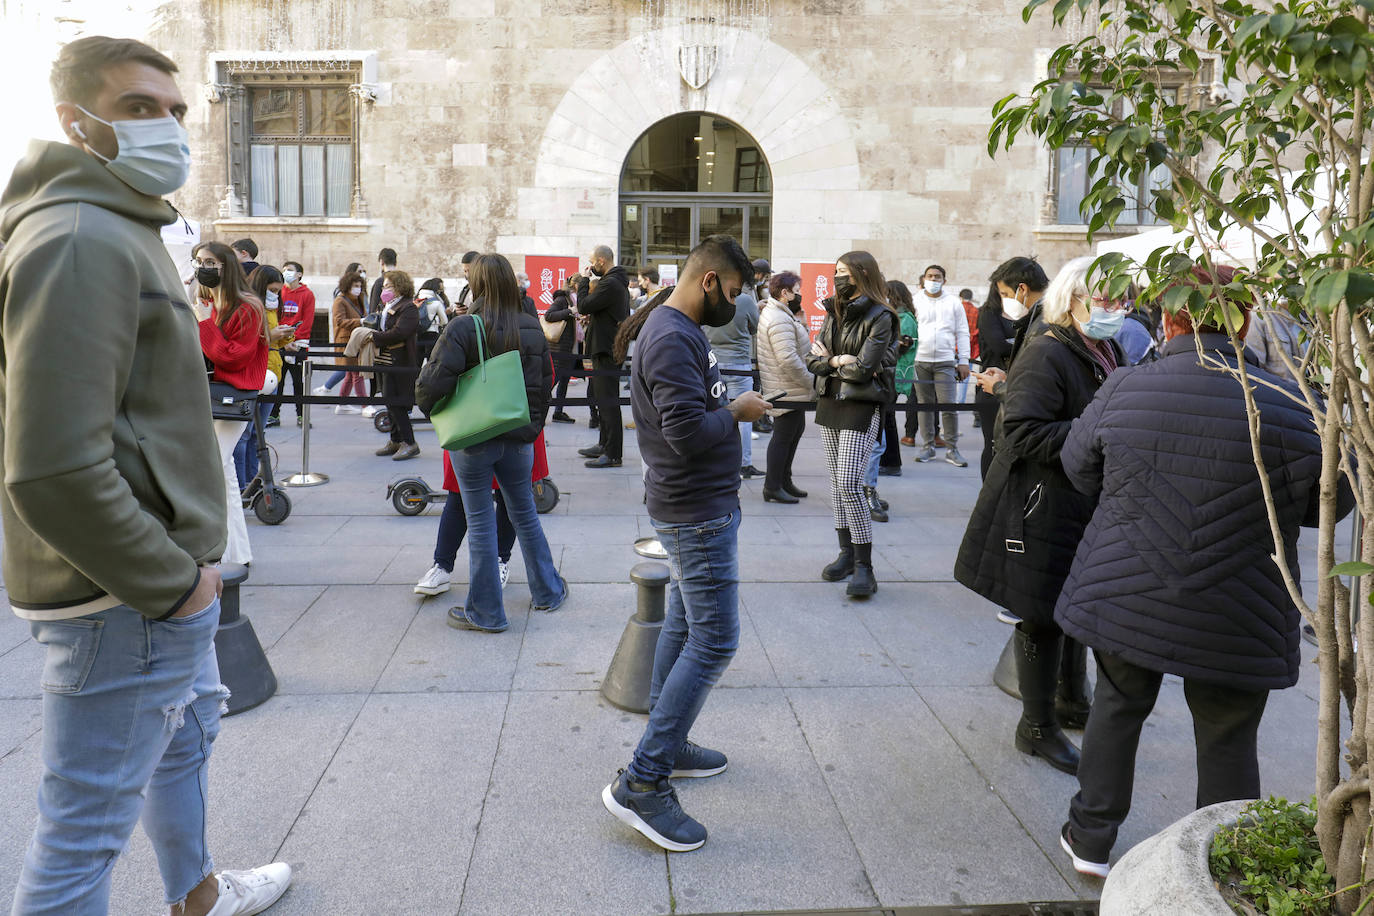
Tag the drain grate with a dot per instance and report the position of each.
(1062, 908)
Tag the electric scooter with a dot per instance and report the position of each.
(411, 495)
(269, 502)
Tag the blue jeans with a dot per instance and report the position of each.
(334, 379)
(131, 707)
(736, 385)
(246, 451)
(699, 637)
(511, 464)
(879, 448)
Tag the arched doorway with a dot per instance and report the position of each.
(689, 176)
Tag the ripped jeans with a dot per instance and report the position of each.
(130, 709)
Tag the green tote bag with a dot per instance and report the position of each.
(489, 400)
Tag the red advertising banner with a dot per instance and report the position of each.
(817, 283)
(548, 273)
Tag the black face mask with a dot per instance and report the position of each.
(207, 277)
(599, 273)
(795, 303)
(844, 288)
(717, 312)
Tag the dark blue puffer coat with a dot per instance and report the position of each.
(1173, 573)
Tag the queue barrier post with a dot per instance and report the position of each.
(243, 665)
(1004, 675)
(305, 478)
(627, 681)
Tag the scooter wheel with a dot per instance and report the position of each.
(276, 513)
(545, 495)
(381, 420)
(410, 498)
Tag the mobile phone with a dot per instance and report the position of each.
(775, 397)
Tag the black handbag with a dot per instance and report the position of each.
(230, 403)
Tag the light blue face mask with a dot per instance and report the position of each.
(1102, 324)
(154, 155)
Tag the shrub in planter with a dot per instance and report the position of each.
(1269, 862)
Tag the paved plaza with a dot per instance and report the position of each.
(408, 768)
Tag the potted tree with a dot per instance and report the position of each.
(1247, 128)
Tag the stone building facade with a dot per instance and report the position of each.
(326, 129)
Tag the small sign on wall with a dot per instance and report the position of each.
(667, 274)
(548, 273)
(817, 284)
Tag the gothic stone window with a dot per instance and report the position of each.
(292, 138)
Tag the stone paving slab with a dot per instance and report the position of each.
(433, 657)
(346, 643)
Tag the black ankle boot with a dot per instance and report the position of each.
(876, 510)
(844, 563)
(1073, 699)
(1037, 671)
(795, 490)
(862, 584)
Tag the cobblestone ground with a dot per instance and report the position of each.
(405, 767)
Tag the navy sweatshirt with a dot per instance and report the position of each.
(688, 440)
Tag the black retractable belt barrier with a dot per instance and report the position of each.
(243, 665)
(627, 681)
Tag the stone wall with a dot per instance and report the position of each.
(503, 125)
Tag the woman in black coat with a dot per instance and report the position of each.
(508, 457)
(1029, 518)
(395, 341)
(853, 358)
(561, 309)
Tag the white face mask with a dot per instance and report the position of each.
(933, 286)
(154, 155)
(290, 275)
(272, 300)
(1013, 308)
(357, 291)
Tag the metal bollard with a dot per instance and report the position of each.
(1004, 675)
(243, 666)
(627, 681)
(305, 478)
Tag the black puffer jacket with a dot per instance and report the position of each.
(457, 351)
(869, 331)
(1028, 519)
(606, 306)
(561, 310)
(1174, 572)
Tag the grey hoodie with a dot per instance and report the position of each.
(114, 492)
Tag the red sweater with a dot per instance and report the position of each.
(237, 351)
(298, 310)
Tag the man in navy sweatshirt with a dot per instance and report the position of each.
(689, 440)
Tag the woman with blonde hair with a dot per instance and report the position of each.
(853, 358)
(234, 338)
(1029, 518)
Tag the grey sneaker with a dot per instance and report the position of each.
(695, 761)
(653, 810)
(926, 454)
(956, 459)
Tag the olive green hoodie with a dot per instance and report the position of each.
(114, 489)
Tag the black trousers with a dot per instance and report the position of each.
(562, 365)
(892, 449)
(605, 391)
(1225, 725)
(291, 368)
(987, 420)
(912, 414)
(782, 448)
(398, 389)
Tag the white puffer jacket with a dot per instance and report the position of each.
(782, 344)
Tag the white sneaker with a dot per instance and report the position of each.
(434, 582)
(505, 572)
(753, 435)
(320, 390)
(246, 893)
(346, 408)
(370, 410)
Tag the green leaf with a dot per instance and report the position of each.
(1249, 27)
(1329, 290)
(1281, 25)
(1359, 288)
(1353, 568)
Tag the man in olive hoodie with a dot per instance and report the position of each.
(113, 504)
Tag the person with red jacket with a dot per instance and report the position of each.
(298, 311)
(234, 338)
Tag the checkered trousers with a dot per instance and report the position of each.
(847, 453)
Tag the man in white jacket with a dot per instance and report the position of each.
(941, 361)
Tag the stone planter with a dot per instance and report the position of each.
(1168, 873)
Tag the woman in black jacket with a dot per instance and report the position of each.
(395, 340)
(561, 309)
(853, 359)
(508, 457)
(1029, 518)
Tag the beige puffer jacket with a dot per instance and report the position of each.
(782, 344)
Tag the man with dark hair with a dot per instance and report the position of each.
(689, 441)
(386, 260)
(762, 271)
(606, 305)
(114, 517)
(298, 312)
(247, 252)
(942, 356)
(463, 301)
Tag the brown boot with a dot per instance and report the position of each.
(389, 449)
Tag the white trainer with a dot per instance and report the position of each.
(434, 582)
(320, 390)
(505, 572)
(247, 893)
(370, 410)
(346, 408)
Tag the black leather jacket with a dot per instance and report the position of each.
(869, 331)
